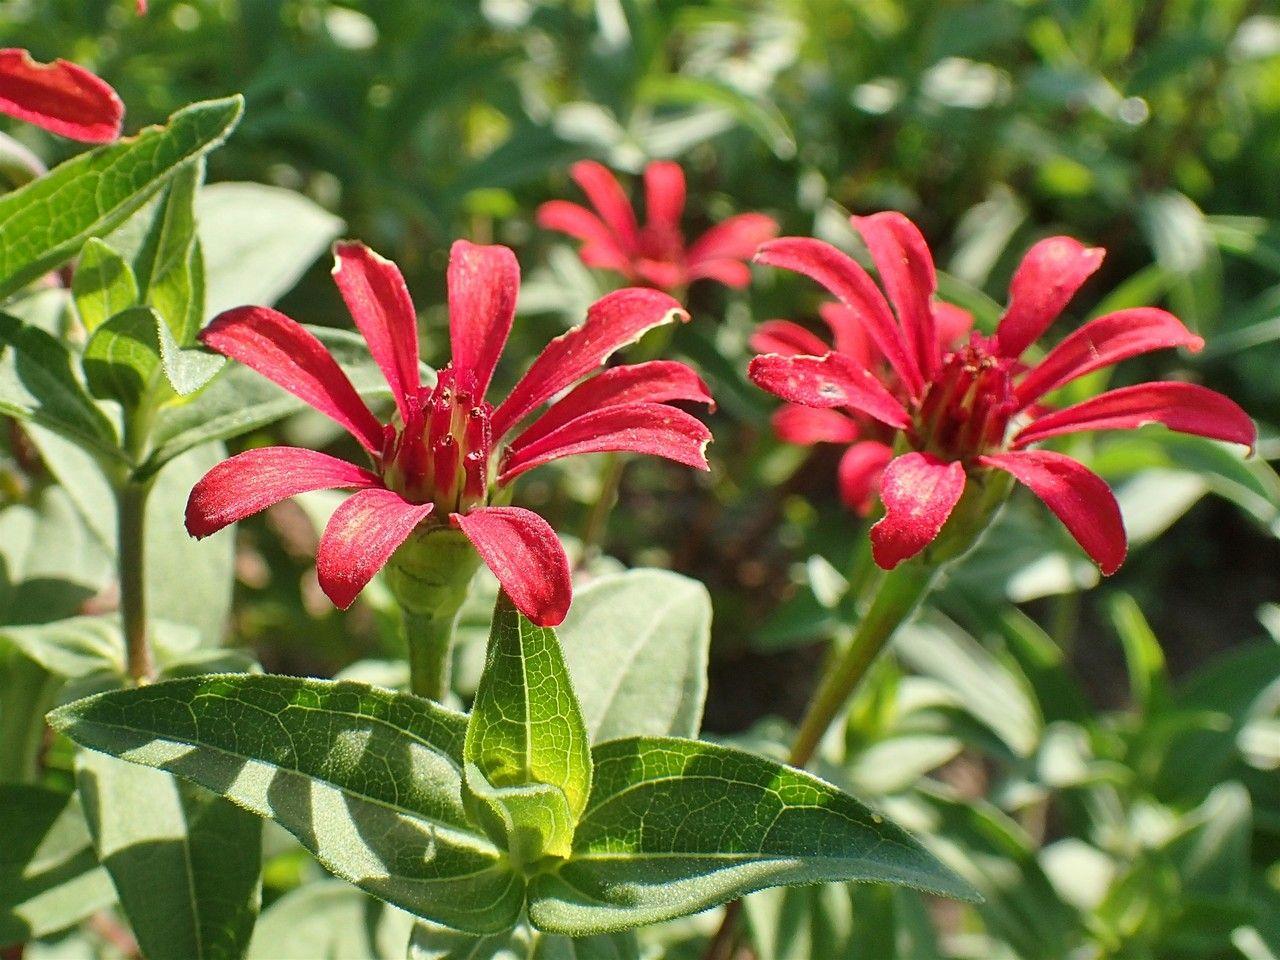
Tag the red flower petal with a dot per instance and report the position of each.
(652, 428)
(1102, 342)
(659, 381)
(859, 474)
(483, 285)
(378, 300)
(906, 270)
(61, 97)
(848, 333)
(805, 426)
(256, 479)
(664, 195)
(141, 7)
(601, 247)
(952, 323)
(1046, 280)
(522, 551)
(736, 238)
(607, 196)
(290, 356)
(786, 339)
(919, 491)
(613, 321)
(360, 538)
(1185, 407)
(1079, 497)
(840, 274)
(732, 273)
(830, 381)
(660, 273)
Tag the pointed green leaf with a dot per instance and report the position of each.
(238, 400)
(186, 864)
(74, 647)
(368, 780)
(46, 222)
(528, 757)
(122, 357)
(636, 644)
(187, 369)
(49, 876)
(103, 284)
(677, 826)
(169, 265)
(38, 383)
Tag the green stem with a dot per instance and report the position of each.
(430, 639)
(131, 507)
(593, 529)
(895, 599)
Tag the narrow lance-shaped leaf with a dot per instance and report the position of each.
(46, 222)
(528, 760)
(169, 265)
(677, 826)
(367, 780)
(49, 876)
(103, 284)
(186, 864)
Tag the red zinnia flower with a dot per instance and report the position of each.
(977, 407)
(443, 460)
(654, 254)
(869, 439)
(61, 97)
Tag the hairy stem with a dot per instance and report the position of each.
(430, 639)
(131, 505)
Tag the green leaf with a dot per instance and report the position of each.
(38, 383)
(94, 192)
(528, 758)
(677, 826)
(1144, 658)
(186, 864)
(169, 265)
(75, 647)
(49, 876)
(258, 241)
(333, 920)
(433, 942)
(239, 400)
(636, 644)
(122, 357)
(187, 369)
(103, 284)
(367, 780)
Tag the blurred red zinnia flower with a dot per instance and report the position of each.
(974, 407)
(60, 97)
(443, 457)
(655, 253)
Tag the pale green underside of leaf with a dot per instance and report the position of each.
(46, 222)
(38, 383)
(677, 826)
(433, 942)
(332, 920)
(528, 758)
(49, 876)
(636, 644)
(368, 780)
(186, 864)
